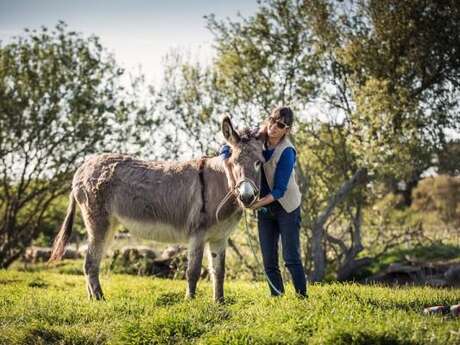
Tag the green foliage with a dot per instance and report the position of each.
(439, 195)
(52, 220)
(449, 159)
(385, 70)
(388, 225)
(375, 84)
(397, 69)
(436, 251)
(267, 59)
(60, 99)
(153, 311)
(326, 160)
(191, 107)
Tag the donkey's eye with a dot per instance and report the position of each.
(257, 165)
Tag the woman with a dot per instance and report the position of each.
(279, 204)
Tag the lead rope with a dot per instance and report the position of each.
(222, 203)
(256, 257)
(232, 191)
(219, 207)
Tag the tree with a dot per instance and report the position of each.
(273, 58)
(386, 72)
(439, 195)
(191, 107)
(60, 99)
(394, 65)
(448, 159)
(375, 84)
(393, 70)
(267, 59)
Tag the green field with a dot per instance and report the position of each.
(51, 308)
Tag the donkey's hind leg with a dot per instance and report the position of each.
(98, 229)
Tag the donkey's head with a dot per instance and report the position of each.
(244, 165)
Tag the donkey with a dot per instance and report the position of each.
(196, 202)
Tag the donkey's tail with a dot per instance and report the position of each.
(64, 233)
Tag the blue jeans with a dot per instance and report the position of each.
(273, 222)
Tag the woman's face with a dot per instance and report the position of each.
(277, 128)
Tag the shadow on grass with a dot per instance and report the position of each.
(38, 283)
(9, 281)
(229, 300)
(42, 336)
(71, 267)
(168, 330)
(168, 299)
(408, 306)
(364, 338)
(39, 335)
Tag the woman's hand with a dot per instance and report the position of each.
(255, 205)
(268, 199)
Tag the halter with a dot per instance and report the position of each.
(236, 192)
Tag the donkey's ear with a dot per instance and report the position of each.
(229, 132)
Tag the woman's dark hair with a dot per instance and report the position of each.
(284, 114)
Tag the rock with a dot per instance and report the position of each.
(139, 251)
(436, 282)
(438, 309)
(36, 254)
(455, 310)
(171, 251)
(171, 263)
(122, 236)
(452, 275)
(399, 268)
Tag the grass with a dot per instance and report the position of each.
(52, 308)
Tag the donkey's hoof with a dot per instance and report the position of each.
(99, 297)
(219, 300)
(189, 296)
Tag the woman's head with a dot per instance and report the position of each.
(280, 122)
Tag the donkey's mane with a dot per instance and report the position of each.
(247, 134)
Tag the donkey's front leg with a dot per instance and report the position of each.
(195, 258)
(216, 259)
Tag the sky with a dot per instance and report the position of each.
(137, 32)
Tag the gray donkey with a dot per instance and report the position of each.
(194, 202)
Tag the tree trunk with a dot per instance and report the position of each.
(318, 254)
(318, 250)
(350, 265)
(240, 256)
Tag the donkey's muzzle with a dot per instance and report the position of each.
(248, 193)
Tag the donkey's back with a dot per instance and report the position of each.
(155, 200)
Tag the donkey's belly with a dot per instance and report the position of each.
(155, 231)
